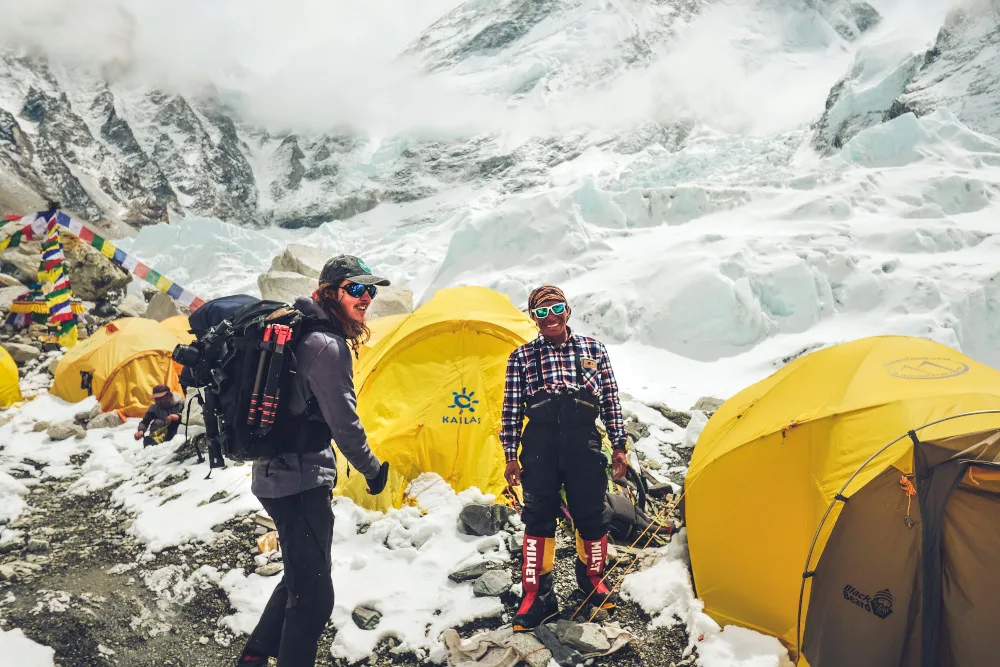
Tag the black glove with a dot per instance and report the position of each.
(377, 483)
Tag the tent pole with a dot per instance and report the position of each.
(840, 495)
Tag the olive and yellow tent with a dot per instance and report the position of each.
(10, 389)
(430, 390)
(820, 480)
(122, 361)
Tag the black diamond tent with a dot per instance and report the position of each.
(849, 505)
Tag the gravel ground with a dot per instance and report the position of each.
(77, 582)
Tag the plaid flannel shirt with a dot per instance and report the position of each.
(558, 373)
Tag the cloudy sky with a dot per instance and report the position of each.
(742, 65)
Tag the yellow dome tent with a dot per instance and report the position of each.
(782, 453)
(178, 324)
(123, 360)
(10, 390)
(430, 391)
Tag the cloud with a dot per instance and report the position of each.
(319, 64)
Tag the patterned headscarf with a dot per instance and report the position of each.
(544, 293)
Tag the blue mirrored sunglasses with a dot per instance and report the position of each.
(357, 289)
(543, 311)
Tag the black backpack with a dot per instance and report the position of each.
(245, 366)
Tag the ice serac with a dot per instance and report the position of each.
(960, 71)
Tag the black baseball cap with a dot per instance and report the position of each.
(349, 267)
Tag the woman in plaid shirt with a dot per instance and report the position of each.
(562, 382)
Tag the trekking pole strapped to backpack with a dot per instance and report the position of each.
(261, 363)
(272, 389)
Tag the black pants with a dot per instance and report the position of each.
(301, 604)
(554, 456)
(154, 438)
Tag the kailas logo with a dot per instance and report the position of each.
(925, 368)
(879, 604)
(463, 401)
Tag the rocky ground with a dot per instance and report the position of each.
(75, 580)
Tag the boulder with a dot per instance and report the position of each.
(365, 618)
(10, 281)
(391, 300)
(474, 571)
(105, 420)
(483, 520)
(676, 416)
(132, 306)
(22, 262)
(85, 416)
(269, 570)
(284, 286)
(302, 259)
(65, 430)
(707, 404)
(9, 294)
(21, 353)
(492, 584)
(584, 637)
(563, 655)
(161, 306)
(92, 275)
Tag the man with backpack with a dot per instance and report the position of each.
(562, 382)
(295, 487)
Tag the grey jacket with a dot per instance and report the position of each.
(155, 412)
(324, 370)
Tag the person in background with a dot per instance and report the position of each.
(162, 418)
(295, 488)
(562, 382)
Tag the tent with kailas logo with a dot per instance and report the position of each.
(430, 389)
(849, 505)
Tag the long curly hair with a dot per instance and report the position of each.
(356, 333)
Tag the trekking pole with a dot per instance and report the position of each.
(669, 509)
(255, 395)
(269, 402)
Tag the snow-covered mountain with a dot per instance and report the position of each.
(110, 148)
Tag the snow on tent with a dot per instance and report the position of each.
(121, 362)
(10, 390)
(430, 391)
(901, 571)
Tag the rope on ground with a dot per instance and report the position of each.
(669, 509)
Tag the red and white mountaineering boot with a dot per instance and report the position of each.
(593, 554)
(538, 602)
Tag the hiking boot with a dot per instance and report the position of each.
(595, 591)
(592, 556)
(538, 602)
(252, 661)
(536, 606)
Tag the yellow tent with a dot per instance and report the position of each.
(10, 390)
(178, 324)
(124, 360)
(378, 329)
(430, 391)
(774, 457)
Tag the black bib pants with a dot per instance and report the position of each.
(561, 447)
